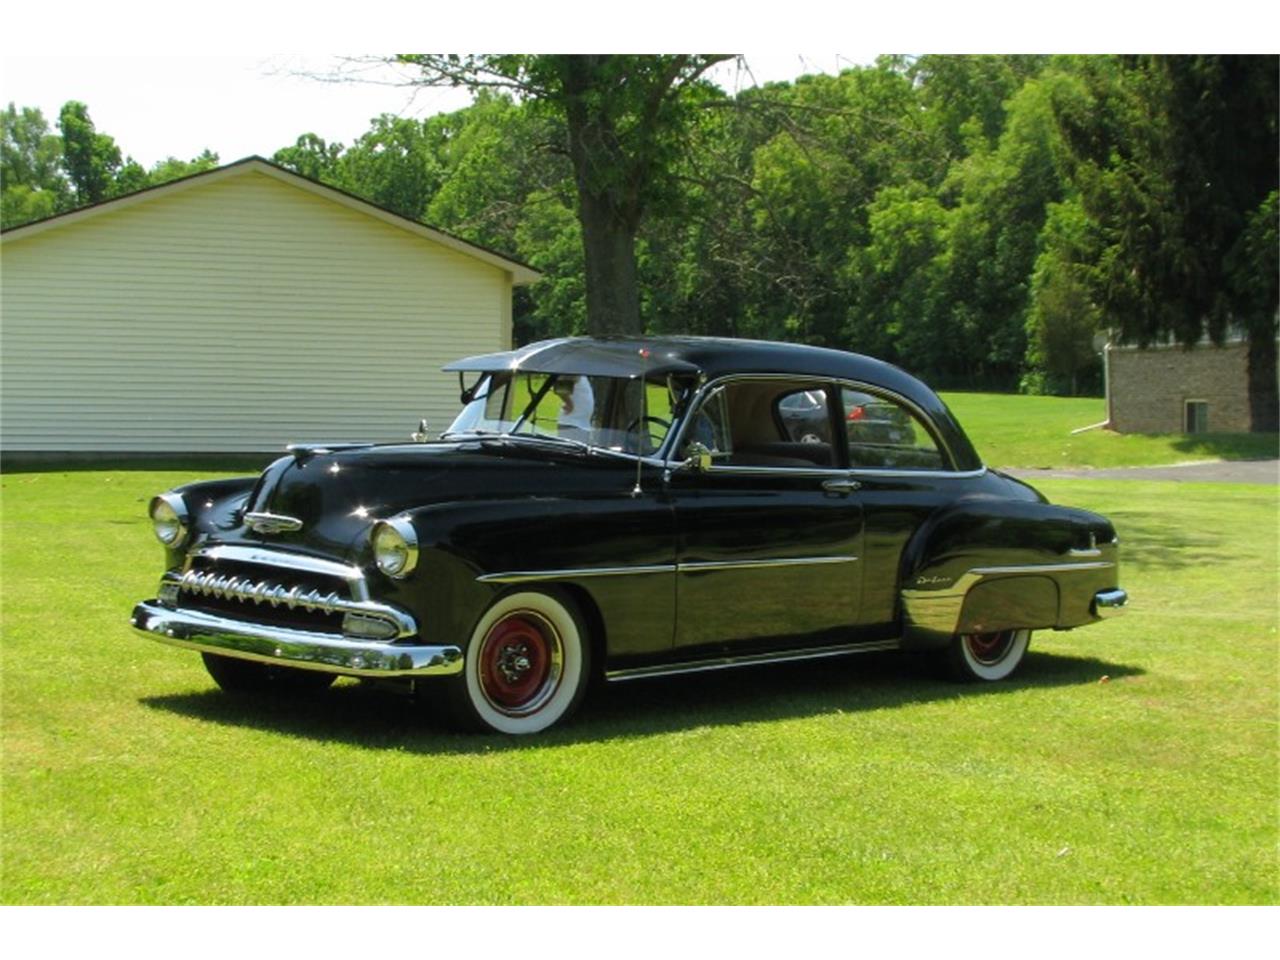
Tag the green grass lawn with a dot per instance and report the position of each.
(127, 778)
(1019, 431)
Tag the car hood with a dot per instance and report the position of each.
(338, 495)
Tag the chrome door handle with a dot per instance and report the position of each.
(843, 485)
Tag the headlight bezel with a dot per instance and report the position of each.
(407, 548)
(178, 518)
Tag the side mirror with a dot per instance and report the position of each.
(699, 458)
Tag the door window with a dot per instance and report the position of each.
(883, 434)
(764, 423)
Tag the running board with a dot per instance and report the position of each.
(749, 660)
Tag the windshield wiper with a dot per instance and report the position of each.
(551, 438)
(471, 433)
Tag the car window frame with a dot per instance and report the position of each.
(841, 449)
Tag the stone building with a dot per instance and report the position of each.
(1170, 389)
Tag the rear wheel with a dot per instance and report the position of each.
(249, 676)
(987, 656)
(526, 666)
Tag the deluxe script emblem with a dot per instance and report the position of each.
(930, 581)
(271, 523)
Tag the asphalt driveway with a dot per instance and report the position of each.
(1213, 471)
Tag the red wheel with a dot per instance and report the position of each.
(526, 666)
(521, 661)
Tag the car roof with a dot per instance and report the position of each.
(715, 357)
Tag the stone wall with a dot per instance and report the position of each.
(1149, 388)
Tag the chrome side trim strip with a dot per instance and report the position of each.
(699, 566)
(523, 576)
(696, 566)
(284, 646)
(917, 474)
(966, 581)
(747, 660)
(939, 610)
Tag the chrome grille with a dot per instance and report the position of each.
(244, 589)
(282, 589)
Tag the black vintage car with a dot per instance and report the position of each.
(625, 508)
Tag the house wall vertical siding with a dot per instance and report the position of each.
(1149, 388)
(237, 315)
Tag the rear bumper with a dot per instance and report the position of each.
(209, 633)
(1109, 603)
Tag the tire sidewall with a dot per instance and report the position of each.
(977, 670)
(574, 669)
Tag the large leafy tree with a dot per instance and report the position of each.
(1175, 158)
(31, 175)
(624, 120)
(92, 159)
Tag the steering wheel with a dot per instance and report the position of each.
(654, 442)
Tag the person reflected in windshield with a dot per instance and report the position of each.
(578, 406)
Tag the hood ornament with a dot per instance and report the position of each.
(420, 435)
(271, 523)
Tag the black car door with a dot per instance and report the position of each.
(769, 535)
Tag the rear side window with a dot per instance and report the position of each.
(883, 434)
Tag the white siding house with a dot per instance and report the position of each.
(237, 310)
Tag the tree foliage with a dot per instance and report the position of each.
(43, 173)
(977, 220)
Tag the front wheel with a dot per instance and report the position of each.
(526, 666)
(987, 656)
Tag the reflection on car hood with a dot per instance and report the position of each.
(339, 495)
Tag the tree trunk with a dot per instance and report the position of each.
(1263, 398)
(613, 291)
(609, 208)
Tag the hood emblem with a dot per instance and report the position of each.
(271, 523)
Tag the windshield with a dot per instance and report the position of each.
(608, 413)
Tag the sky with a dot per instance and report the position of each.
(214, 87)
(238, 106)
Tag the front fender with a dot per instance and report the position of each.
(213, 507)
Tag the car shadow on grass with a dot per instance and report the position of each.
(366, 716)
(1152, 542)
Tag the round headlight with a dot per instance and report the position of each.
(169, 519)
(395, 547)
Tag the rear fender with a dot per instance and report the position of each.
(986, 564)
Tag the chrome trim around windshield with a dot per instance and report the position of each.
(747, 660)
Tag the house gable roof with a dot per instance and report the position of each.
(521, 273)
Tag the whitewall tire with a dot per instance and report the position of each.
(526, 666)
(987, 656)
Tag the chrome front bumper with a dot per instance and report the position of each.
(209, 633)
